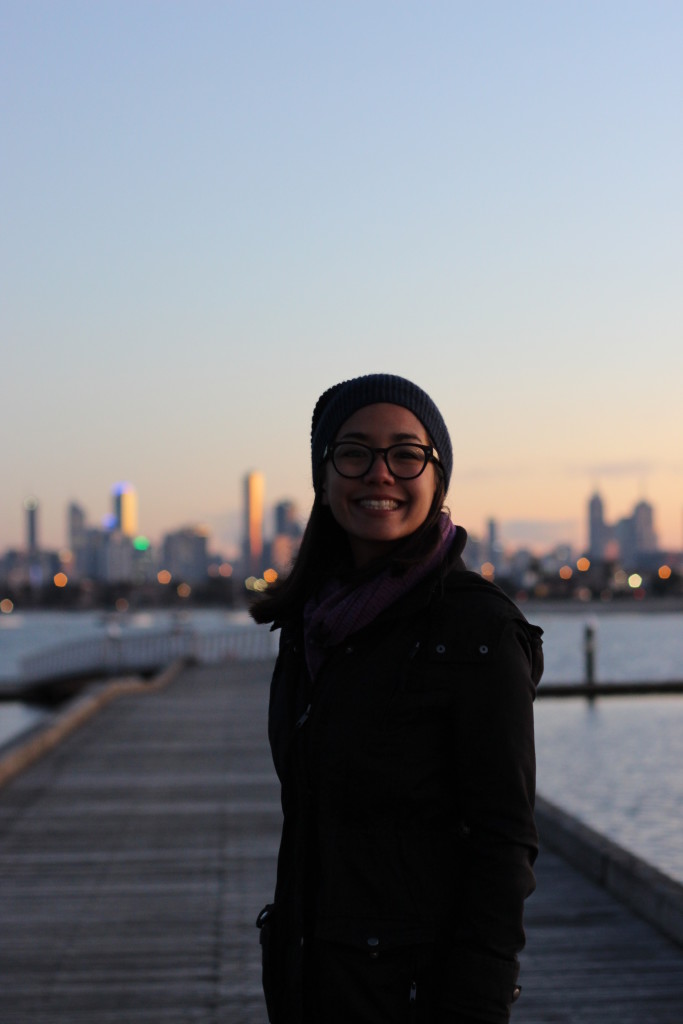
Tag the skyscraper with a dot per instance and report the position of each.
(597, 530)
(287, 519)
(252, 543)
(75, 526)
(31, 509)
(644, 527)
(125, 509)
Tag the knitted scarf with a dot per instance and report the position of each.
(342, 609)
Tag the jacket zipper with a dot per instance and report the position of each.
(304, 718)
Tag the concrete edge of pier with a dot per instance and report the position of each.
(16, 757)
(650, 893)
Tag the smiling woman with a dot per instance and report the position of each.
(401, 728)
(378, 501)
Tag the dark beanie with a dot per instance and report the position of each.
(339, 402)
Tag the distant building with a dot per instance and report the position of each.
(597, 530)
(125, 509)
(252, 538)
(105, 556)
(184, 554)
(75, 526)
(31, 509)
(117, 558)
(287, 520)
(644, 528)
(494, 549)
(285, 544)
(631, 539)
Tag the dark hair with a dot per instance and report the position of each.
(325, 552)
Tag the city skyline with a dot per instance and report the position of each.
(209, 217)
(258, 520)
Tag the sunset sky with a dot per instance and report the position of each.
(213, 211)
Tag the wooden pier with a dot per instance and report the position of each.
(137, 851)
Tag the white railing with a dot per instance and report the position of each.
(144, 652)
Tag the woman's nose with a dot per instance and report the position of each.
(379, 471)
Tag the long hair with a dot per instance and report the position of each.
(325, 552)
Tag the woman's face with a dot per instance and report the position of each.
(377, 509)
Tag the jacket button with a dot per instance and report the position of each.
(483, 649)
(348, 650)
(373, 943)
(440, 648)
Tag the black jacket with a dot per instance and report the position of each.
(407, 775)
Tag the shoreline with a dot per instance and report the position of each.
(569, 606)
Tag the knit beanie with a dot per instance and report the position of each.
(340, 401)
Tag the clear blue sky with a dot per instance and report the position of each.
(212, 211)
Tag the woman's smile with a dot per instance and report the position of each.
(379, 504)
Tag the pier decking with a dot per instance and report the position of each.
(136, 853)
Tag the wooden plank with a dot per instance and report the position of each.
(136, 854)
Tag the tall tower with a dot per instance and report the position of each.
(252, 544)
(125, 509)
(286, 520)
(644, 524)
(597, 532)
(31, 509)
(75, 518)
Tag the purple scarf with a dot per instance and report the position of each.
(342, 609)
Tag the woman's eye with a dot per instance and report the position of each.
(352, 453)
(408, 454)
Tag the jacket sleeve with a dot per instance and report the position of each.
(495, 764)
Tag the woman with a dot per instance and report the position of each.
(402, 733)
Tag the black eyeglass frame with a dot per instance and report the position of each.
(429, 451)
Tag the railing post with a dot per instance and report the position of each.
(589, 655)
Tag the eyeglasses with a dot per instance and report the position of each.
(352, 459)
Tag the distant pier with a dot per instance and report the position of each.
(138, 844)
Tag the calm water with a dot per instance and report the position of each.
(616, 764)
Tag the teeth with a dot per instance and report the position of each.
(385, 504)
